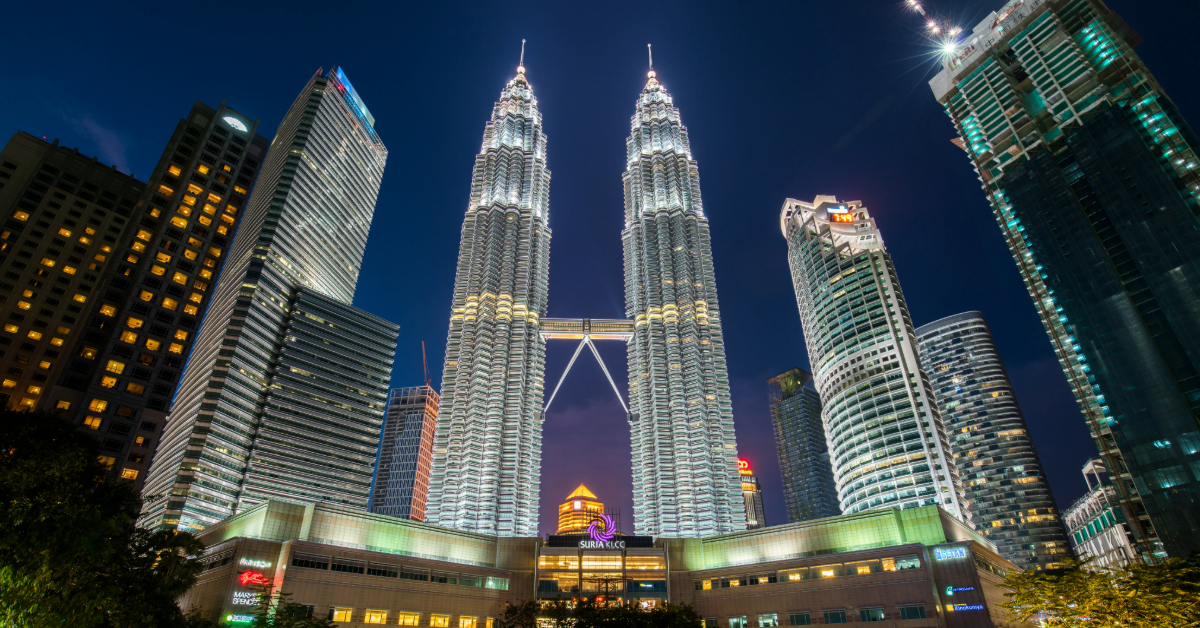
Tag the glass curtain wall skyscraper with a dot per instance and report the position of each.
(401, 485)
(805, 469)
(685, 475)
(285, 392)
(1007, 492)
(1092, 175)
(886, 438)
(487, 453)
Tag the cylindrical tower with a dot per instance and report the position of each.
(886, 441)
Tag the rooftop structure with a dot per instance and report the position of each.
(579, 509)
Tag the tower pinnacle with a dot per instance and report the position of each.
(521, 63)
(651, 74)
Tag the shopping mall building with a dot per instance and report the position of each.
(916, 568)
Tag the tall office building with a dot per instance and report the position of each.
(751, 497)
(66, 216)
(124, 368)
(805, 469)
(487, 454)
(285, 393)
(401, 483)
(886, 439)
(578, 510)
(685, 479)
(1007, 492)
(1092, 176)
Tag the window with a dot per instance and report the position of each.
(170, 304)
(181, 335)
(114, 366)
(835, 617)
(36, 335)
(8, 383)
(141, 441)
(93, 422)
(47, 262)
(768, 620)
(190, 309)
(466, 622)
(129, 337)
(108, 310)
(738, 621)
(912, 612)
(108, 382)
(910, 561)
(827, 571)
(44, 364)
(340, 614)
(129, 474)
(106, 461)
(204, 170)
(135, 389)
(58, 342)
(213, 198)
(176, 348)
(179, 222)
(180, 279)
(134, 323)
(153, 344)
(158, 270)
(142, 234)
(214, 251)
(12, 329)
(194, 189)
(871, 614)
(69, 270)
(439, 621)
(20, 215)
(800, 619)
(375, 617)
(34, 390)
(24, 305)
(26, 402)
(409, 619)
(146, 296)
(62, 330)
(62, 405)
(174, 170)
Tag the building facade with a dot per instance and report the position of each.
(804, 465)
(1007, 491)
(917, 568)
(751, 497)
(139, 334)
(1096, 523)
(401, 483)
(1091, 172)
(685, 479)
(578, 510)
(66, 218)
(285, 394)
(487, 454)
(886, 439)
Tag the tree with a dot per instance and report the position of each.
(274, 610)
(520, 615)
(1134, 596)
(70, 554)
(590, 614)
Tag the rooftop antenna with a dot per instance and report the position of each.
(521, 65)
(425, 364)
(651, 55)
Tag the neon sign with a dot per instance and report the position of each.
(968, 607)
(847, 218)
(247, 578)
(235, 123)
(950, 590)
(744, 467)
(250, 562)
(602, 531)
(239, 619)
(245, 598)
(953, 552)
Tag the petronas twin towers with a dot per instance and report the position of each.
(487, 449)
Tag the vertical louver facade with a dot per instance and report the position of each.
(685, 476)
(487, 449)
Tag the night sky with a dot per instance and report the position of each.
(781, 99)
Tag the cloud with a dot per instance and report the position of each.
(111, 145)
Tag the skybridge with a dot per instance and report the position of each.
(586, 330)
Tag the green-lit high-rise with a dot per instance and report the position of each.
(1092, 176)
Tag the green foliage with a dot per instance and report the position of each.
(1136, 596)
(599, 615)
(274, 610)
(69, 552)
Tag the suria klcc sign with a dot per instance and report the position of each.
(602, 532)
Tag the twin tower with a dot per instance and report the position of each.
(488, 447)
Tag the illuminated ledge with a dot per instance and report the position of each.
(580, 328)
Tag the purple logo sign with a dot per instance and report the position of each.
(605, 534)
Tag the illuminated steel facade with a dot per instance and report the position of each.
(752, 497)
(285, 393)
(685, 477)
(1007, 492)
(1091, 172)
(805, 469)
(487, 449)
(401, 484)
(885, 436)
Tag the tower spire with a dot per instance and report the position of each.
(521, 63)
(651, 74)
(650, 53)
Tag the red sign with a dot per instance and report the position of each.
(743, 464)
(247, 578)
(842, 217)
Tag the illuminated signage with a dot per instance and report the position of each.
(247, 578)
(952, 552)
(837, 209)
(968, 607)
(245, 598)
(602, 531)
(239, 619)
(848, 218)
(235, 123)
(952, 589)
(250, 562)
(578, 505)
(744, 467)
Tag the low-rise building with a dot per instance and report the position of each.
(916, 568)
(1098, 530)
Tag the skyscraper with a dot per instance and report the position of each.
(66, 218)
(1007, 492)
(487, 452)
(685, 479)
(1092, 176)
(886, 439)
(401, 484)
(805, 469)
(751, 497)
(124, 369)
(285, 394)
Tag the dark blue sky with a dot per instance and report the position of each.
(781, 99)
